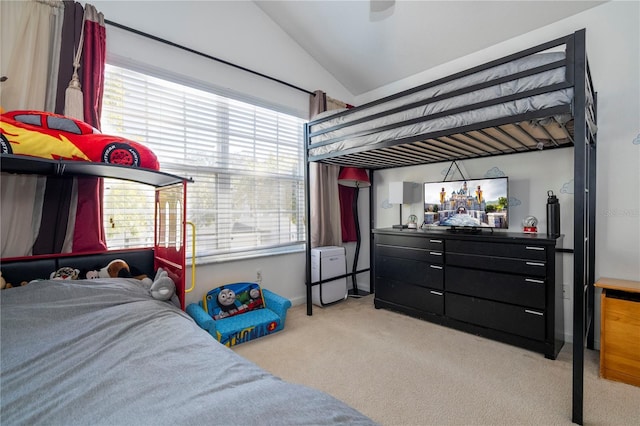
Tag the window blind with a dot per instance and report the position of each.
(246, 161)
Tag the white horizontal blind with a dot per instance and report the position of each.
(246, 161)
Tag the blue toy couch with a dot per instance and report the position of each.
(239, 312)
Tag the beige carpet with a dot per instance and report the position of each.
(400, 370)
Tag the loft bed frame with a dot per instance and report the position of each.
(429, 124)
(168, 251)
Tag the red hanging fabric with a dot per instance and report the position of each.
(93, 66)
(346, 213)
(88, 234)
(89, 231)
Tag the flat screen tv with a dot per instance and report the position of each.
(467, 205)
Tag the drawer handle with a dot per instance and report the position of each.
(531, 280)
(435, 266)
(435, 253)
(437, 293)
(535, 248)
(534, 312)
(535, 264)
(400, 247)
(436, 241)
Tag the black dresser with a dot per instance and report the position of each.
(503, 286)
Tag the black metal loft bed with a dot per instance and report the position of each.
(540, 98)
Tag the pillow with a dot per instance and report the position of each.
(233, 299)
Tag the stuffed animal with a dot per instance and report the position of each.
(65, 273)
(118, 268)
(161, 288)
(115, 268)
(5, 284)
(90, 275)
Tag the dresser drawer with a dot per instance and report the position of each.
(409, 295)
(512, 319)
(417, 241)
(535, 268)
(415, 253)
(522, 251)
(410, 271)
(515, 289)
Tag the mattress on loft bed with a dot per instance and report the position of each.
(507, 109)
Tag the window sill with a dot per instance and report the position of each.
(233, 257)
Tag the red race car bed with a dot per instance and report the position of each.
(53, 136)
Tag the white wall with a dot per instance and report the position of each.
(613, 48)
(235, 31)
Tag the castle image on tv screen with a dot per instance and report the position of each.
(467, 203)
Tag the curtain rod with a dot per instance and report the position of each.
(179, 46)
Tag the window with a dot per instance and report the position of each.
(247, 163)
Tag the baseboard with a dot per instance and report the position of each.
(301, 300)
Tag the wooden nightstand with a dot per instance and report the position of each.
(620, 330)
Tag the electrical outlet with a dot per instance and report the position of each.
(566, 291)
(259, 276)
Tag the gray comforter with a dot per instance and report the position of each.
(105, 352)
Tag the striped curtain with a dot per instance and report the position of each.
(331, 216)
(40, 38)
(323, 189)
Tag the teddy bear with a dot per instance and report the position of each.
(4, 284)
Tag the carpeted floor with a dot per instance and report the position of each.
(400, 370)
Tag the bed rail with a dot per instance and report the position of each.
(18, 269)
(407, 131)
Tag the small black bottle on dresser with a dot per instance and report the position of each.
(553, 215)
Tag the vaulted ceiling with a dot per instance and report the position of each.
(367, 44)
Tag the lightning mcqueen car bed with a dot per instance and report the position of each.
(53, 136)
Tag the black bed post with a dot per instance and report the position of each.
(591, 271)
(308, 221)
(372, 263)
(580, 214)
